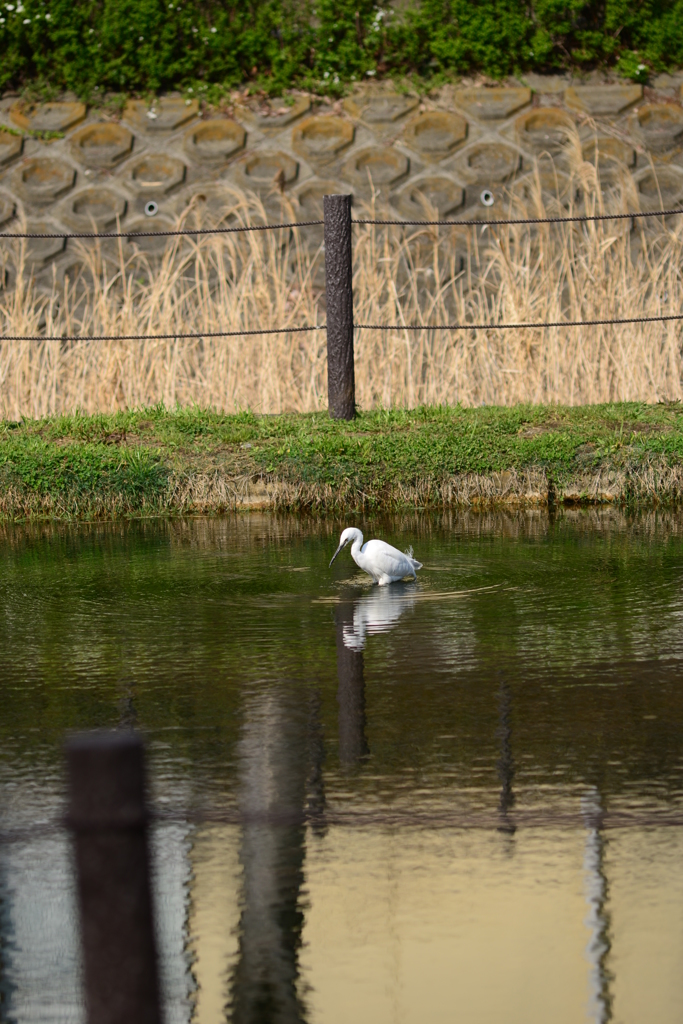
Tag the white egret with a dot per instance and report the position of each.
(377, 558)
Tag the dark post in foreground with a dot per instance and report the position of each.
(108, 818)
(341, 385)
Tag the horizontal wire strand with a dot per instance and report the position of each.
(317, 223)
(157, 337)
(360, 327)
(502, 327)
(523, 220)
(162, 234)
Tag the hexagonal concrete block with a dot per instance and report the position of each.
(94, 209)
(544, 130)
(10, 147)
(612, 154)
(165, 114)
(660, 126)
(265, 171)
(376, 165)
(273, 118)
(666, 82)
(381, 106)
(602, 99)
(40, 250)
(486, 202)
(489, 162)
(156, 174)
(101, 145)
(215, 141)
(421, 197)
(150, 244)
(278, 209)
(320, 139)
(434, 134)
(43, 179)
(546, 85)
(47, 117)
(492, 104)
(415, 265)
(661, 188)
(309, 198)
(210, 201)
(81, 276)
(7, 209)
(309, 206)
(139, 206)
(555, 189)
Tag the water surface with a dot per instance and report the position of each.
(459, 798)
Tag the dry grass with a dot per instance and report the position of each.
(402, 275)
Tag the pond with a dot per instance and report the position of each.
(460, 797)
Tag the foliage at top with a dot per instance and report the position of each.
(94, 46)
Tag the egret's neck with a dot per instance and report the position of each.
(356, 545)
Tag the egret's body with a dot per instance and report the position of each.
(377, 558)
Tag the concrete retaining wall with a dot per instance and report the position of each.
(68, 167)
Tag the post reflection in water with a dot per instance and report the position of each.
(229, 643)
(273, 770)
(598, 919)
(316, 779)
(6, 941)
(506, 764)
(377, 611)
(350, 692)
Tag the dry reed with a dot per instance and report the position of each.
(262, 279)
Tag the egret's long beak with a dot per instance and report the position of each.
(338, 550)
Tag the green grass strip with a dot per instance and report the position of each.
(159, 461)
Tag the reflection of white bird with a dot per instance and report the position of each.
(378, 559)
(376, 612)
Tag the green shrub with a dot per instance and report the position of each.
(148, 45)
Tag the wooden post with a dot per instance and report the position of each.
(108, 818)
(341, 386)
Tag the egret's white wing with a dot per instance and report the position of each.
(386, 559)
(377, 547)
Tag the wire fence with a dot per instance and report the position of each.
(232, 229)
(523, 220)
(340, 325)
(225, 230)
(503, 327)
(177, 335)
(161, 337)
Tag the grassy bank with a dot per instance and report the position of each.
(156, 461)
